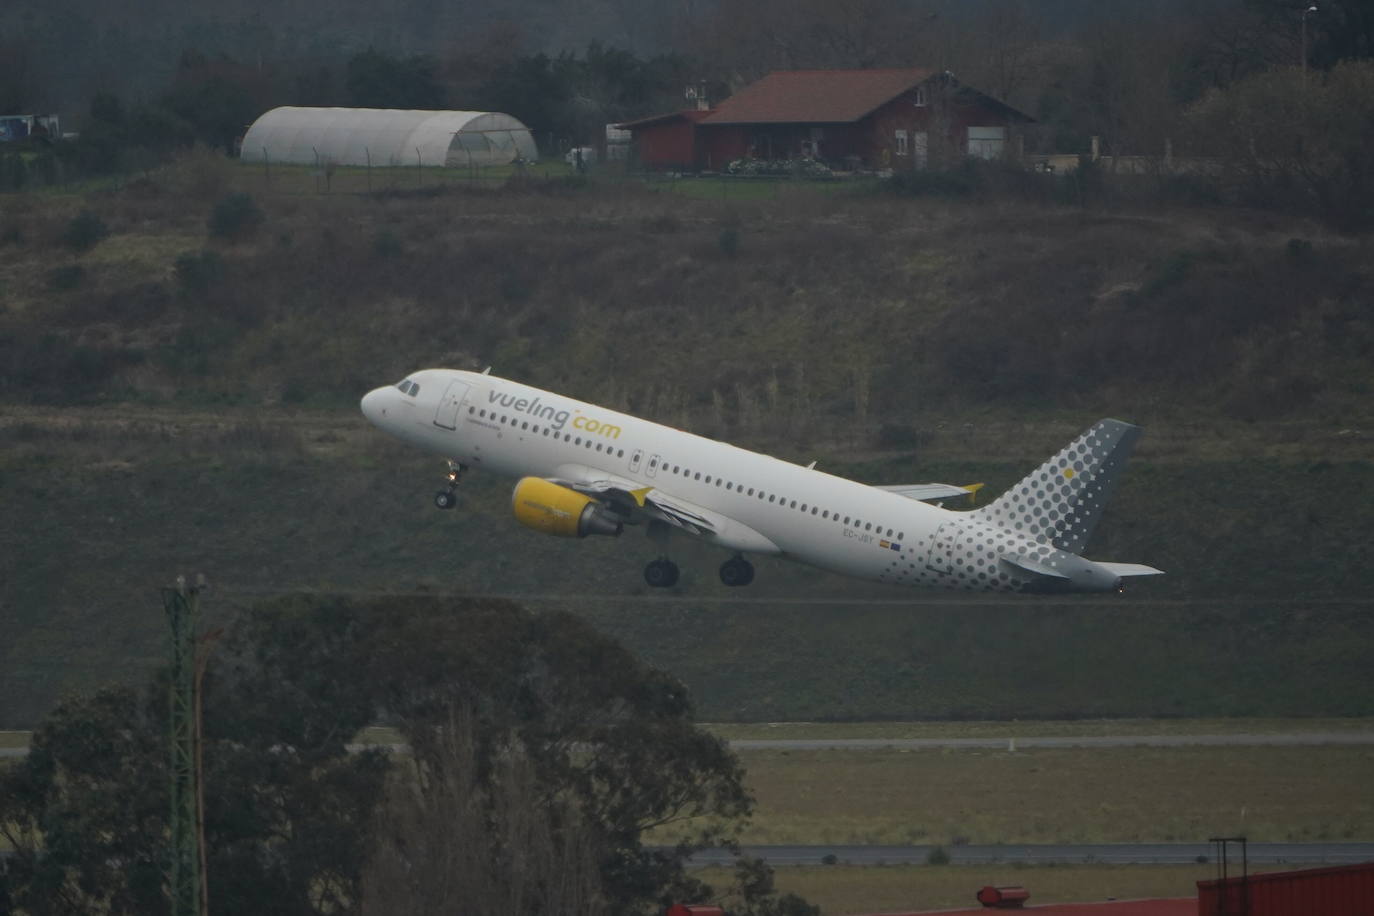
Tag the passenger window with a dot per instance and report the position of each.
(472, 409)
(771, 498)
(708, 478)
(676, 469)
(698, 477)
(598, 446)
(825, 514)
(813, 510)
(794, 504)
(751, 491)
(620, 454)
(889, 532)
(901, 535)
(803, 507)
(653, 463)
(868, 527)
(525, 425)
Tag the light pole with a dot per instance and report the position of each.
(1305, 13)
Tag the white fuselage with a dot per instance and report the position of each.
(807, 515)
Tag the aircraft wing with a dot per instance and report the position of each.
(637, 501)
(925, 492)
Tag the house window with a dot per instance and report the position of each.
(902, 148)
(920, 101)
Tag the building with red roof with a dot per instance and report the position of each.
(899, 118)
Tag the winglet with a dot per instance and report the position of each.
(640, 495)
(973, 489)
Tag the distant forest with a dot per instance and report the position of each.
(189, 69)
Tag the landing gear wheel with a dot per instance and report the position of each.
(661, 574)
(446, 499)
(736, 572)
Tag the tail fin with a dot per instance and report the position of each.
(1060, 502)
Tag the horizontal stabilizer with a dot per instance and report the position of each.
(1130, 569)
(928, 491)
(1033, 567)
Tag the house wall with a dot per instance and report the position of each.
(945, 121)
(667, 145)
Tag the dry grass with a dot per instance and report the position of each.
(878, 889)
(1061, 796)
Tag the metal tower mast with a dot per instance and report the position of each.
(182, 604)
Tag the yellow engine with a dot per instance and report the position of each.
(557, 510)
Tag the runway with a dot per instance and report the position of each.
(1296, 854)
(1009, 743)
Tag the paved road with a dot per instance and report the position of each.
(1299, 739)
(1296, 854)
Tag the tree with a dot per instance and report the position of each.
(1283, 141)
(378, 80)
(540, 755)
(1340, 30)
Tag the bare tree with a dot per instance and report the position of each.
(458, 835)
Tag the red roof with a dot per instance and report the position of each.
(687, 114)
(816, 96)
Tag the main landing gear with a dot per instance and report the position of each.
(736, 571)
(447, 498)
(661, 573)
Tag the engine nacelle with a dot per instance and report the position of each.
(554, 509)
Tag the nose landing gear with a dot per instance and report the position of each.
(447, 498)
(736, 571)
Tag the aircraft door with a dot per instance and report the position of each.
(635, 458)
(447, 413)
(944, 548)
(652, 468)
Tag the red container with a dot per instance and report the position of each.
(1003, 898)
(1344, 890)
(694, 909)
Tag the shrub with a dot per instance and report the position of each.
(386, 244)
(199, 173)
(66, 277)
(84, 232)
(197, 272)
(937, 856)
(959, 182)
(729, 241)
(237, 216)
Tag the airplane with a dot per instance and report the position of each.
(584, 470)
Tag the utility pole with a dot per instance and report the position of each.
(1305, 13)
(187, 873)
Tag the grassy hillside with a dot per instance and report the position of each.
(178, 403)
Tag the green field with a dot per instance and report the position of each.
(172, 401)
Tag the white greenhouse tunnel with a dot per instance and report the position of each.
(387, 137)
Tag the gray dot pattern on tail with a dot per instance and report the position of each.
(1061, 501)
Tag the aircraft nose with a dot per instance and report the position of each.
(373, 404)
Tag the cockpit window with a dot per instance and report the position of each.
(408, 387)
(414, 389)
